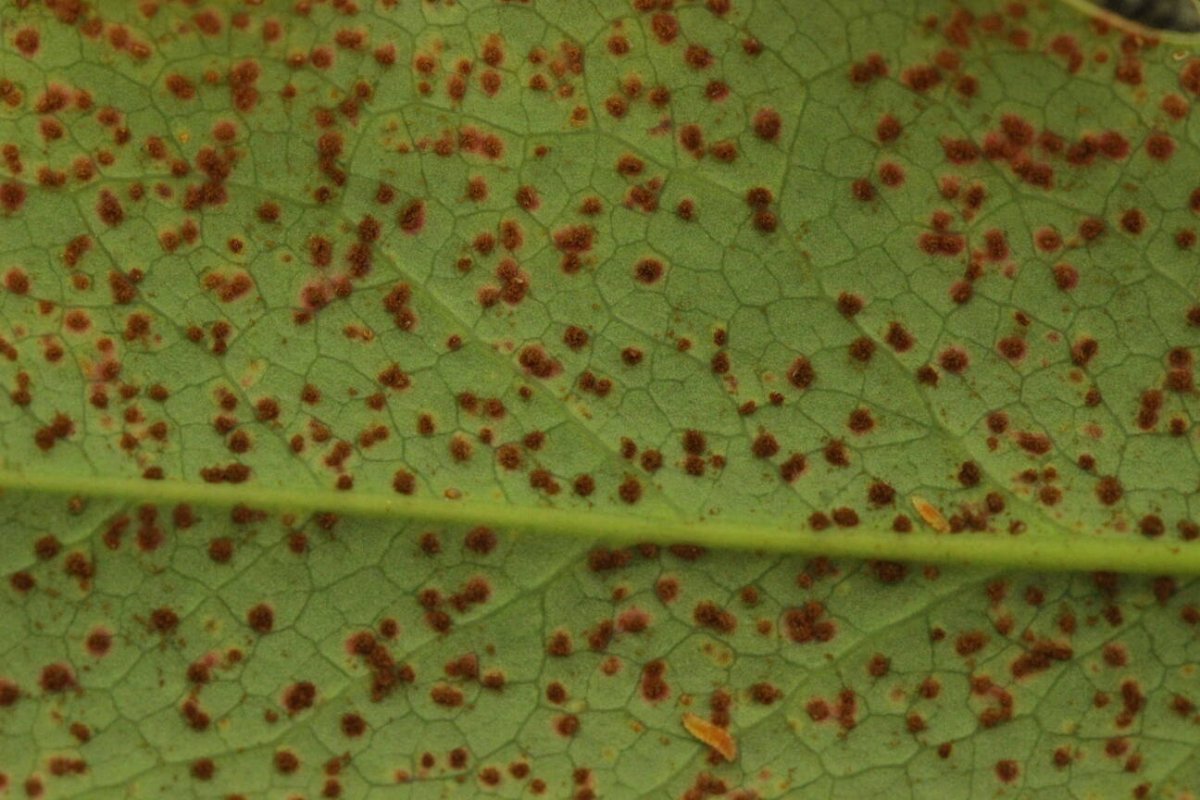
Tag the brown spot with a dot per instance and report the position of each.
(445, 695)
(807, 624)
(411, 218)
(261, 618)
(921, 77)
(1133, 221)
(164, 620)
(99, 642)
(898, 337)
(1160, 146)
(860, 421)
(109, 209)
(648, 271)
(969, 474)
(1084, 350)
(791, 469)
(835, 453)
(891, 174)
(1109, 490)
(56, 678)
(861, 349)
(880, 494)
(567, 725)
(888, 571)
(849, 304)
(954, 360)
(888, 129)
(1034, 443)
(767, 124)
(299, 697)
(12, 197)
(27, 40)
(709, 615)
(665, 27)
(1011, 347)
(862, 190)
(879, 665)
(970, 643)
(481, 540)
(765, 446)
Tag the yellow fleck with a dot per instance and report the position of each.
(715, 737)
(931, 515)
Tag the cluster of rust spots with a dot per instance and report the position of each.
(843, 711)
(475, 591)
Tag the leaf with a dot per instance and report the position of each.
(355, 356)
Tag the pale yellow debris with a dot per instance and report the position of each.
(931, 515)
(712, 735)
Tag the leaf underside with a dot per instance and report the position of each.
(341, 345)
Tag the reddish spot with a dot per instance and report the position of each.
(99, 642)
(860, 421)
(863, 190)
(960, 151)
(767, 124)
(1160, 146)
(1066, 277)
(164, 620)
(109, 209)
(481, 540)
(954, 360)
(27, 40)
(697, 57)
(567, 725)
(1047, 240)
(942, 243)
(807, 624)
(898, 337)
(665, 27)
(880, 494)
(921, 77)
(16, 281)
(56, 678)
(1109, 490)
(1189, 76)
(1011, 347)
(891, 174)
(12, 197)
(867, 70)
(299, 697)
(1133, 221)
(1175, 107)
(862, 349)
(446, 696)
(653, 684)
(648, 271)
(709, 615)
(261, 618)
(411, 218)
(888, 129)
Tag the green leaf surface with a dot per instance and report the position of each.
(354, 353)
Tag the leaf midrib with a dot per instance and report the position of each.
(1029, 550)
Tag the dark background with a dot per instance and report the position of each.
(1178, 15)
